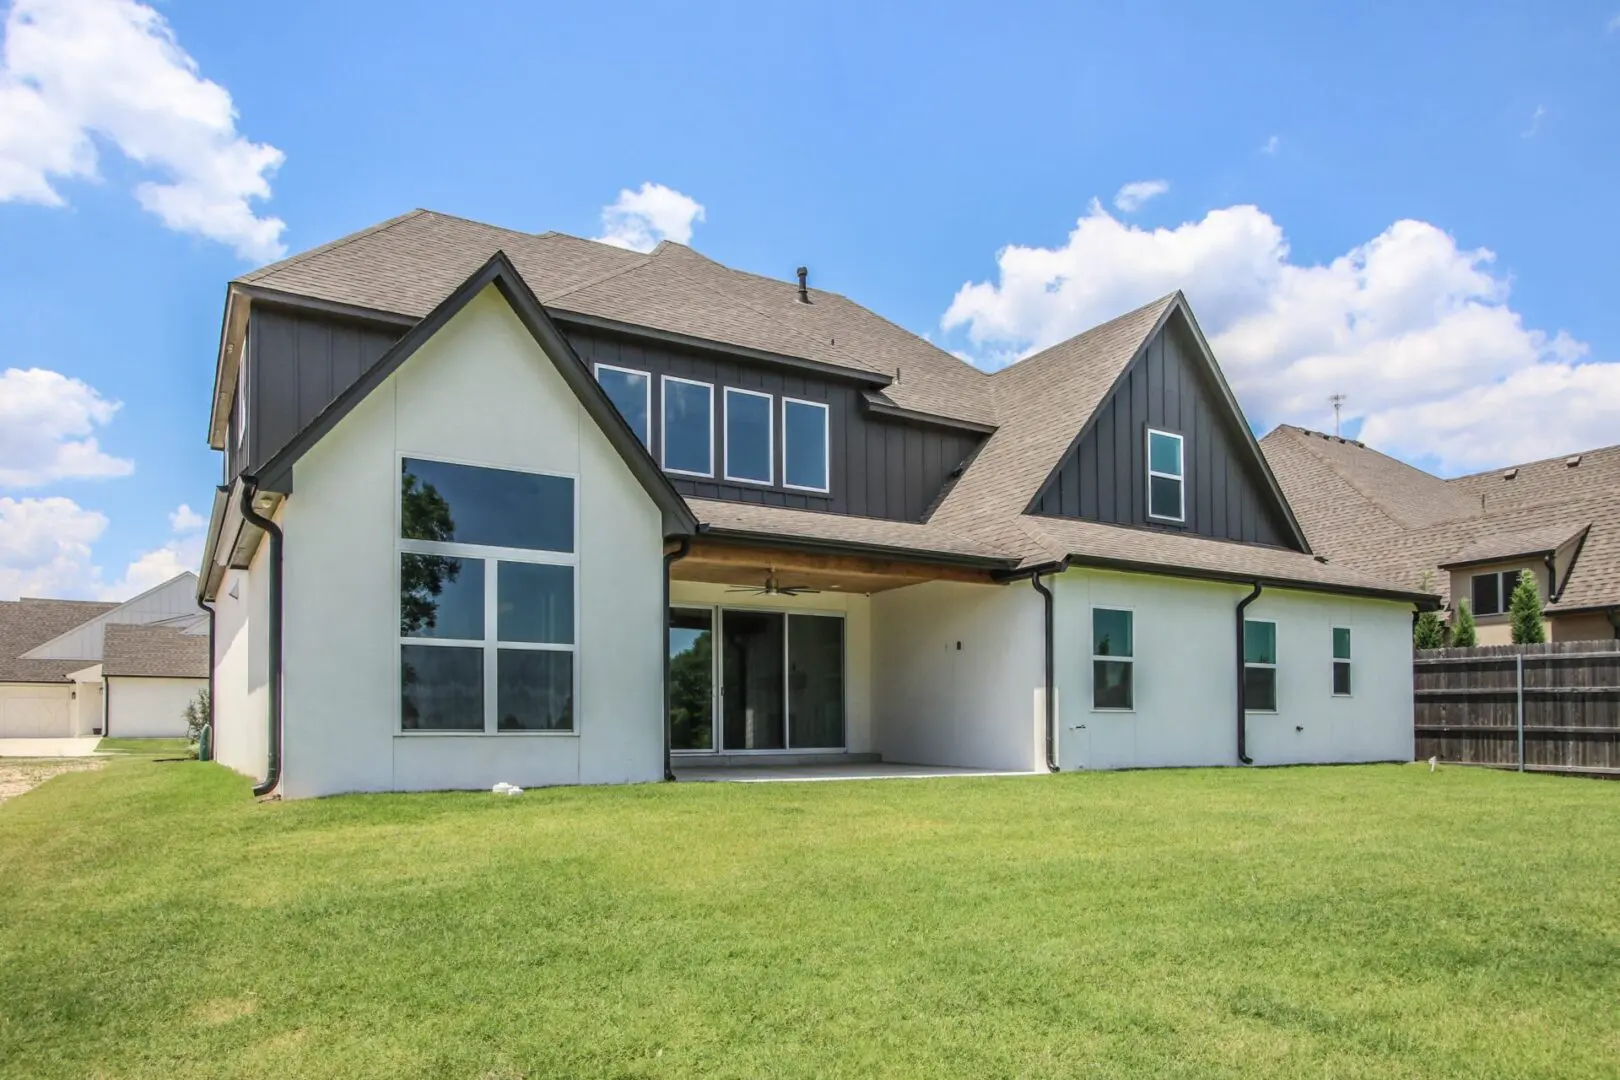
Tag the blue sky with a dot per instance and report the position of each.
(1410, 203)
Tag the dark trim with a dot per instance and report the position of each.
(276, 474)
(1424, 601)
(990, 563)
(895, 412)
(1242, 681)
(687, 341)
(295, 302)
(670, 559)
(106, 705)
(133, 675)
(1543, 553)
(272, 774)
(1047, 605)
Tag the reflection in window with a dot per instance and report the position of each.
(464, 504)
(441, 597)
(1259, 666)
(804, 444)
(441, 688)
(691, 679)
(748, 436)
(1167, 485)
(688, 426)
(536, 689)
(1113, 663)
(631, 393)
(815, 682)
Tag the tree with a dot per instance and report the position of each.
(1524, 611)
(1463, 634)
(1428, 632)
(196, 715)
(424, 515)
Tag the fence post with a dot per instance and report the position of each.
(1518, 682)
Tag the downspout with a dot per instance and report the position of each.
(272, 775)
(1243, 705)
(206, 753)
(670, 558)
(1051, 690)
(106, 706)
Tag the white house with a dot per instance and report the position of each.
(501, 506)
(75, 668)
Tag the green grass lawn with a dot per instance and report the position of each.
(1342, 922)
(155, 747)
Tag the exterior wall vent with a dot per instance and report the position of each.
(1573, 460)
(1509, 474)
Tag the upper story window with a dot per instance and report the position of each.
(805, 445)
(749, 441)
(1113, 662)
(487, 599)
(1259, 665)
(688, 426)
(631, 393)
(1167, 481)
(1493, 592)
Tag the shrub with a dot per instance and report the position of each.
(1429, 632)
(1463, 633)
(1524, 611)
(197, 715)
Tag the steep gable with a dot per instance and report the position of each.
(1171, 386)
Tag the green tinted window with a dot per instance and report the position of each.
(1164, 453)
(1341, 643)
(1259, 642)
(1110, 632)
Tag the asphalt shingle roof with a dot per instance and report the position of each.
(132, 649)
(30, 622)
(1370, 511)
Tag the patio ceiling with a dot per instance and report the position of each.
(746, 564)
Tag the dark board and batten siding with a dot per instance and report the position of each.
(1104, 477)
(878, 468)
(299, 362)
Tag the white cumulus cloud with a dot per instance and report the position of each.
(47, 425)
(639, 219)
(186, 520)
(1415, 329)
(45, 547)
(1137, 192)
(73, 72)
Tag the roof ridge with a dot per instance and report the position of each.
(1303, 437)
(331, 245)
(1548, 460)
(598, 279)
(1073, 339)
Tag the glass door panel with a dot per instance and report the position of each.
(815, 682)
(751, 680)
(691, 679)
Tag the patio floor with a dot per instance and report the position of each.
(771, 774)
(42, 748)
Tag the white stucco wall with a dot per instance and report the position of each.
(241, 700)
(481, 393)
(958, 675)
(1186, 678)
(857, 612)
(149, 708)
(36, 711)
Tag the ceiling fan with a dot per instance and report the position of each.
(771, 588)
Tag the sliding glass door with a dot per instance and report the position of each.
(776, 680)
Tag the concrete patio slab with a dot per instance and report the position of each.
(43, 748)
(771, 774)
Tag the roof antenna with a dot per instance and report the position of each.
(804, 284)
(1337, 400)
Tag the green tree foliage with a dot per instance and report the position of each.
(691, 694)
(424, 515)
(1428, 632)
(196, 715)
(1524, 611)
(1463, 633)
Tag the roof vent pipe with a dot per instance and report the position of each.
(804, 284)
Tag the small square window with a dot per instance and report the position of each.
(441, 688)
(535, 690)
(1260, 689)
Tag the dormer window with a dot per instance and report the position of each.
(1167, 481)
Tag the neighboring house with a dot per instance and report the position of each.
(516, 484)
(1470, 536)
(75, 668)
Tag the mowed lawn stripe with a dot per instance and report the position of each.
(1353, 921)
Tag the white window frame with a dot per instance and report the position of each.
(663, 425)
(1095, 656)
(826, 444)
(241, 398)
(1276, 651)
(770, 437)
(1181, 479)
(490, 643)
(646, 390)
(1347, 661)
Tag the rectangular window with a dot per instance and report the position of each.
(1494, 591)
(631, 393)
(487, 599)
(748, 436)
(1113, 660)
(1341, 661)
(1259, 666)
(805, 444)
(1167, 484)
(688, 427)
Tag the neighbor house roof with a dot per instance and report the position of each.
(30, 622)
(1384, 517)
(133, 649)
(1033, 411)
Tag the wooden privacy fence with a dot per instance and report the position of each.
(1541, 708)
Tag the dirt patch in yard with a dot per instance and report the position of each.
(21, 775)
